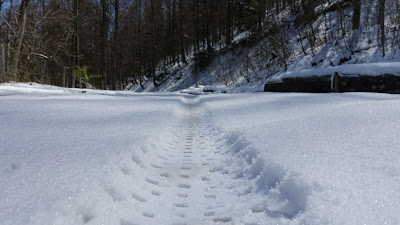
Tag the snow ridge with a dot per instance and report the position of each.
(271, 190)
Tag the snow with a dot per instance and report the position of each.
(367, 69)
(101, 157)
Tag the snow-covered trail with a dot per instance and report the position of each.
(178, 177)
(252, 158)
(197, 179)
(124, 160)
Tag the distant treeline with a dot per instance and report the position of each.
(109, 43)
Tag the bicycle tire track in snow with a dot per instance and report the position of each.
(198, 174)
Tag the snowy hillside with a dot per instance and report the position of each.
(102, 157)
(290, 41)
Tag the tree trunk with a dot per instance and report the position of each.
(2, 63)
(228, 27)
(356, 14)
(301, 42)
(75, 41)
(277, 7)
(341, 20)
(261, 13)
(104, 32)
(173, 31)
(182, 33)
(139, 45)
(221, 25)
(207, 24)
(42, 73)
(64, 76)
(8, 41)
(153, 48)
(312, 38)
(115, 47)
(381, 19)
(198, 26)
(20, 36)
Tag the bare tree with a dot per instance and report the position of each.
(182, 32)
(104, 35)
(2, 63)
(228, 27)
(356, 14)
(8, 41)
(381, 19)
(20, 36)
(75, 43)
(115, 46)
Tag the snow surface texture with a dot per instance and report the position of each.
(256, 158)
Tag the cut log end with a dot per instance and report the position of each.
(336, 83)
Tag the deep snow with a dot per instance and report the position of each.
(256, 158)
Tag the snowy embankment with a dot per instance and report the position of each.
(255, 158)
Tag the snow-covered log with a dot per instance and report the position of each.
(371, 77)
(313, 84)
(385, 83)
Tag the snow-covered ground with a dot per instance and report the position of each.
(100, 157)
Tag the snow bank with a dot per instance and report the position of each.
(204, 90)
(281, 192)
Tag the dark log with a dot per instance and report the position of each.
(362, 83)
(313, 84)
(385, 83)
(274, 86)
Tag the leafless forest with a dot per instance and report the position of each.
(109, 43)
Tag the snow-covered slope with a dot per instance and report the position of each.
(288, 43)
(257, 158)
